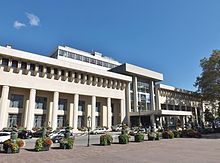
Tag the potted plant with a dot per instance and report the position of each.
(139, 137)
(43, 143)
(13, 144)
(124, 137)
(152, 136)
(67, 142)
(168, 134)
(106, 139)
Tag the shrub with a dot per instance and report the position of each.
(176, 134)
(123, 139)
(168, 134)
(106, 139)
(67, 143)
(139, 137)
(191, 134)
(43, 144)
(13, 146)
(152, 136)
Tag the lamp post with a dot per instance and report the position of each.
(89, 119)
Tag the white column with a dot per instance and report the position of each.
(109, 113)
(152, 99)
(93, 112)
(55, 110)
(75, 111)
(122, 104)
(4, 106)
(196, 115)
(157, 96)
(70, 114)
(128, 104)
(26, 112)
(135, 93)
(30, 117)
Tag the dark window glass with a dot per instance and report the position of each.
(62, 72)
(16, 101)
(98, 106)
(15, 64)
(48, 70)
(32, 67)
(55, 71)
(85, 59)
(24, 65)
(41, 68)
(62, 104)
(41, 102)
(78, 57)
(5, 61)
(81, 106)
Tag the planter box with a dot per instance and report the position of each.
(65, 146)
(9, 151)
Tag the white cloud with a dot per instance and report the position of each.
(18, 24)
(33, 19)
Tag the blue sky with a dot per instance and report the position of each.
(166, 36)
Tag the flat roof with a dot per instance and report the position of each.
(130, 69)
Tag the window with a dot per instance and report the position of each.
(61, 121)
(48, 70)
(80, 123)
(85, 59)
(39, 120)
(143, 87)
(99, 62)
(69, 74)
(81, 106)
(24, 65)
(14, 118)
(78, 57)
(5, 61)
(62, 72)
(41, 103)
(41, 68)
(98, 107)
(93, 61)
(55, 71)
(105, 64)
(97, 121)
(15, 64)
(16, 101)
(32, 67)
(112, 106)
(62, 104)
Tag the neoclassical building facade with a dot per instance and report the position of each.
(82, 89)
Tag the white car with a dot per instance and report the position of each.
(61, 132)
(4, 136)
(100, 130)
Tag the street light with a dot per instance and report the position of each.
(89, 119)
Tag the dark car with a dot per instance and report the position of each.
(57, 138)
(25, 134)
(38, 134)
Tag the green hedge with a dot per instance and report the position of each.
(139, 137)
(168, 134)
(106, 139)
(123, 139)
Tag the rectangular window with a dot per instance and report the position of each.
(62, 72)
(5, 61)
(14, 64)
(16, 101)
(93, 61)
(85, 59)
(39, 120)
(60, 121)
(41, 68)
(55, 71)
(78, 57)
(32, 67)
(112, 106)
(48, 70)
(62, 104)
(99, 62)
(105, 64)
(97, 121)
(81, 106)
(80, 123)
(24, 65)
(98, 107)
(41, 102)
(14, 118)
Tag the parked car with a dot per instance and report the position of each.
(99, 130)
(25, 134)
(57, 138)
(4, 136)
(117, 127)
(55, 133)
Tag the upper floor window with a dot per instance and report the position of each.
(24, 65)
(41, 102)
(78, 57)
(62, 104)
(98, 107)
(5, 61)
(143, 87)
(81, 106)
(32, 67)
(16, 101)
(93, 61)
(85, 59)
(99, 62)
(41, 68)
(14, 64)
(48, 70)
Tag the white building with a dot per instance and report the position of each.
(72, 85)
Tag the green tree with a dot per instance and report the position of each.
(208, 83)
(208, 116)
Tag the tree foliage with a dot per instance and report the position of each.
(208, 116)
(208, 83)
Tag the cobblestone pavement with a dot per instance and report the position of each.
(205, 150)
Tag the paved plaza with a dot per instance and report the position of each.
(183, 150)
